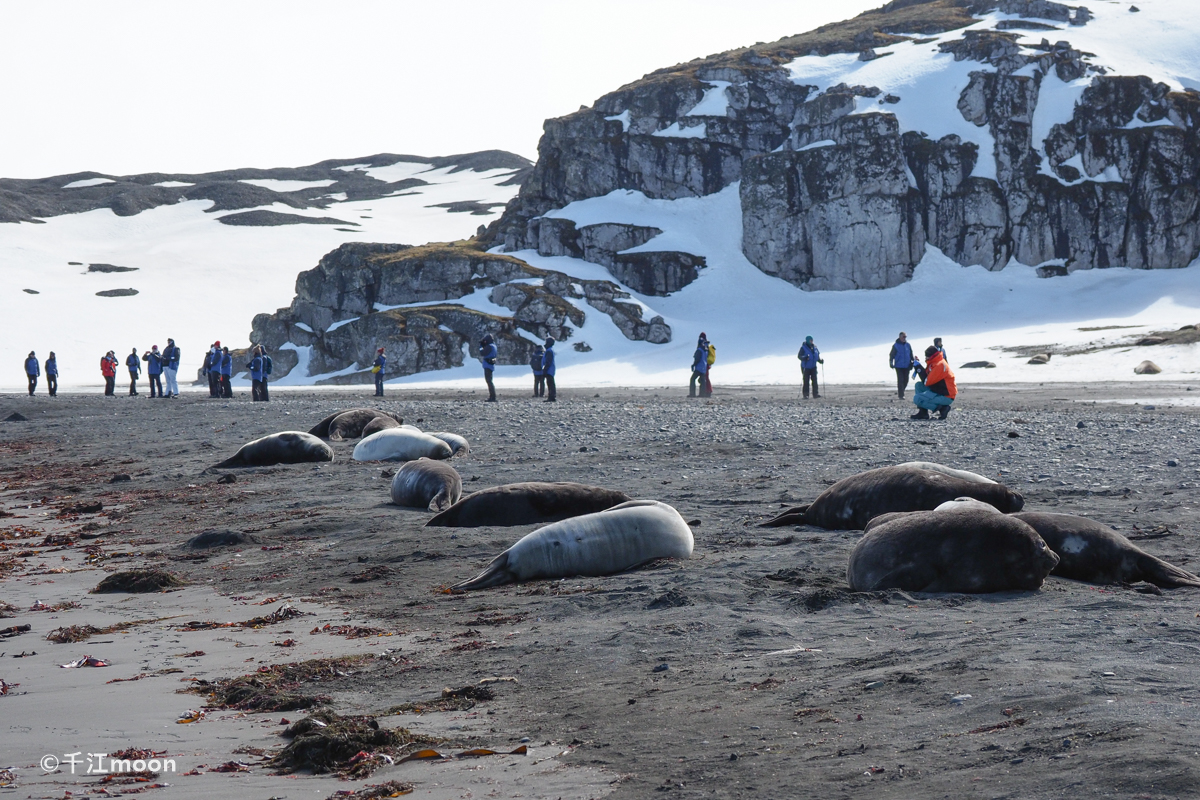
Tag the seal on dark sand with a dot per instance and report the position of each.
(620, 538)
(968, 550)
(287, 447)
(1094, 553)
(379, 424)
(527, 504)
(348, 424)
(426, 483)
(852, 502)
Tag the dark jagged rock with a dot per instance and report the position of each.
(117, 293)
(108, 268)
(263, 218)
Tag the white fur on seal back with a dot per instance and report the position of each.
(956, 473)
(458, 444)
(967, 504)
(400, 444)
(610, 541)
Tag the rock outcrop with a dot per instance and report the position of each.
(364, 296)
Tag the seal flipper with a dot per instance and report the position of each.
(440, 502)
(793, 516)
(234, 460)
(1168, 576)
(496, 574)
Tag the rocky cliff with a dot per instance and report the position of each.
(1059, 160)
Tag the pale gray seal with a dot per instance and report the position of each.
(426, 483)
(287, 447)
(527, 504)
(400, 444)
(604, 543)
(458, 444)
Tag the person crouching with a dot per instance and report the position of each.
(938, 390)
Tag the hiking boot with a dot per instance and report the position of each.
(816, 396)
(943, 412)
(922, 414)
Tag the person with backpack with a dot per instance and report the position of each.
(710, 358)
(937, 342)
(108, 368)
(810, 356)
(268, 365)
(256, 374)
(487, 356)
(154, 370)
(32, 371)
(548, 371)
(170, 362)
(902, 360)
(51, 374)
(226, 374)
(938, 390)
(699, 366)
(377, 368)
(135, 367)
(212, 369)
(539, 376)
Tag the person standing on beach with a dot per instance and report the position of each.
(548, 371)
(539, 377)
(901, 359)
(108, 368)
(710, 358)
(32, 371)
(809, 357)
(377, 368)
(226, 374)
(212, 369)
(51, 374)
(135, 366)
(268, 365)
(487, 356)
(256, 374)
(154, 370)
(938, 344)
(699, 366)
(170, 359)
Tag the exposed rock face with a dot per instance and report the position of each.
(361, 297)
(837, 197)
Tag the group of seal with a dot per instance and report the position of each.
(349, 424)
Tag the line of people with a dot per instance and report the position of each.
(541, 363)
(158, 365)
(33, 372)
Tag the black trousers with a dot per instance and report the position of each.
(539, 385)
(901, 381)
(32, 383)
(551, 393)
(132, 382)
(214, 384)
(156, 382)
(264, 394)
(52, 384)
(226, 388)
(487, 377)
(810, 376)
(110, 383)
(379, 383)
(256, 390)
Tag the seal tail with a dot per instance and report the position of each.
(232, 461)
(1168, 576)
(440, 502)
(496, 574)
(793, 516)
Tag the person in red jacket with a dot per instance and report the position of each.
(108, 368)
(938, 390)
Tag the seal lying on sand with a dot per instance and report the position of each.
(400, 444)
(379, 424)
(288, 447)
(527, 504)
(458, 444)
(348, 424)
(1095, 553)
(426, 483)
(960, 549)
(852, 502)
(611, 541)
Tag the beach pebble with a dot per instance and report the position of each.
(661, 668)
(959, 699)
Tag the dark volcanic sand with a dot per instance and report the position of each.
(876, 695)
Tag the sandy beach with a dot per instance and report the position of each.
(778, 680)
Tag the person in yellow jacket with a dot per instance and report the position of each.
(938, 390)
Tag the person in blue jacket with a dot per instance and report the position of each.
(154, 368)
(256, 374)
(32, 371)
(377, 368)
(539, 377)
(226, 373)
(548, 371)
(52, 374)
(809, 357)
(937, 342)
(135, 367)
(901, 359)
(170, 364)
(487, 356)
(699, 366)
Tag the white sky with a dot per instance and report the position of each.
(126, 86)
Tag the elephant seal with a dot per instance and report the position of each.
(942, 468)
(963, 549)
(957, 504)
(458, 444)
(426, 483)
(400, 444)
(1094, 553)
(610, 541)
(379, 424)
(348, 424)
(527, 504)
(287, 447)
(853, 502)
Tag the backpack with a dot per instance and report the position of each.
(712, 354)
(267, 365)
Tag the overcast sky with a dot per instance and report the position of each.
(121, 87)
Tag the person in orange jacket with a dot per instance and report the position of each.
(108, 368)
(938, 390)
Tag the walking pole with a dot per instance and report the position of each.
(823, 383)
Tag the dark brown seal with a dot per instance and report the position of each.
(349, 424)
(287, 447)
(426, 483)
(1094, 553)
(852, 502)
(527, 504)
(971, 550)
(379, 424)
